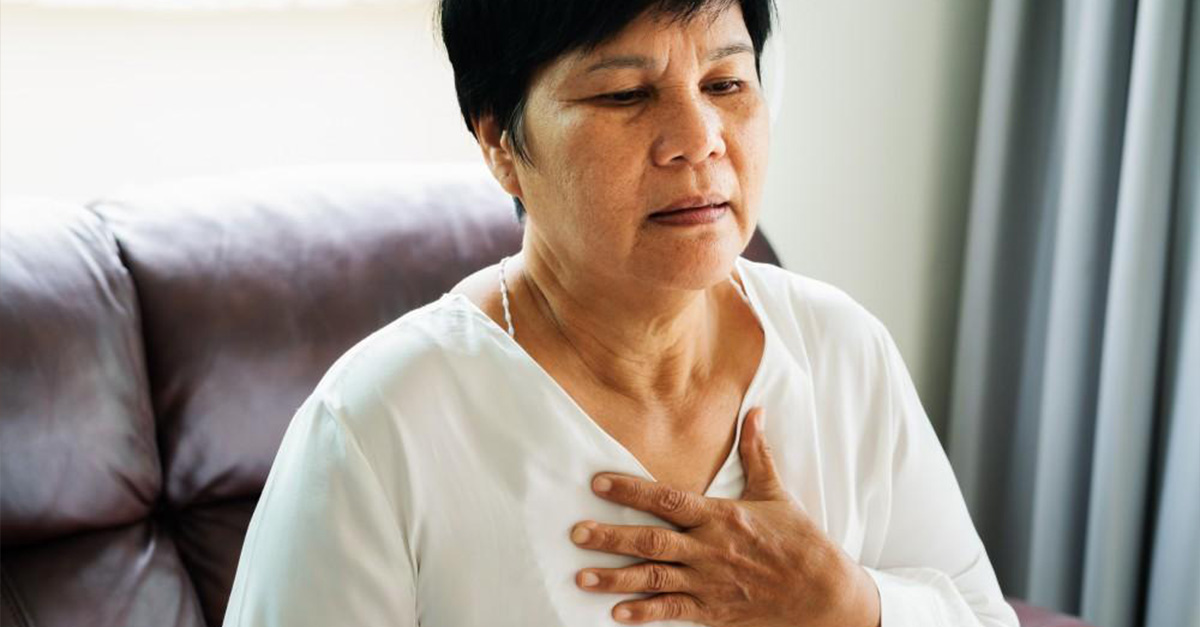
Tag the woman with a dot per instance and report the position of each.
(627, 421)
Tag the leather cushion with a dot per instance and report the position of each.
(77, 437)
(251, 286)
(128, 575)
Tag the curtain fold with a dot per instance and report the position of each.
(1077, 321)
(1173, 597)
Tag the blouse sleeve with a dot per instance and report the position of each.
(324, 546)
(933, 570)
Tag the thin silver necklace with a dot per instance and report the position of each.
(504, 299)
(508, 311)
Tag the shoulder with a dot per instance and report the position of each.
(483, 289)
(852, 358)
(824, 317)
(402, 363)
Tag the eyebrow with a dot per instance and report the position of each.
(639, 62)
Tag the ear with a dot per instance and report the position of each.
(498, 152)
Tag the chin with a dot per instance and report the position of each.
(694, 265)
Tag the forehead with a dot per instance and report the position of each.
(652, 40)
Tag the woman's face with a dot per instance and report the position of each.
(664, 115)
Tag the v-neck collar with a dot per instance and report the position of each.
(599, 432)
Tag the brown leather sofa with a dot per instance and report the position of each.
(155, 345)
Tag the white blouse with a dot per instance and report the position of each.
(435, 472)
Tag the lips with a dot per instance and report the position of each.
(692, 202)
(691, 216)
(700, 208)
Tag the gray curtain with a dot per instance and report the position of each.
(1075, 410)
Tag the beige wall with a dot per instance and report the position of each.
(871, 163)
(870, 157)
(90, 99)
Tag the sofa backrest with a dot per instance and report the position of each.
(157, 342)
(79, 472)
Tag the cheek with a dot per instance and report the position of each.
(602, 164)
(586, 183)
(600, 146)
(750, 151)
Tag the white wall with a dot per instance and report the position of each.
(870, 157)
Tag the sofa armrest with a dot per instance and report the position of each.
(1031, 616)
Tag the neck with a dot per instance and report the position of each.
(649, 344)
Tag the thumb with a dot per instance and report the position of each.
(762, 479)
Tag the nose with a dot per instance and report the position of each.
(690, 131)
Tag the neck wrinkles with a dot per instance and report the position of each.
(652, 348)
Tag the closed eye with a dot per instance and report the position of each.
(634, 96)
(631, 96)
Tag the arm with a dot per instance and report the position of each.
(932, 570)
(324, 546)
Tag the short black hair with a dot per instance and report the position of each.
(495, 46)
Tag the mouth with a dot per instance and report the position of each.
(689, 216)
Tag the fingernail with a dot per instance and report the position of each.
(589, 579)
(602, 484)
(580, 534)
(622, 613)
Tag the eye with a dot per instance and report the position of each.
(629, 97)
(727, 86)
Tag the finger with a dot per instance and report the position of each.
(647, 542)
(644, 577)
(762, 478)
(670, 606)
(678, 507)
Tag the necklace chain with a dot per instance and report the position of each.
(504, 299)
